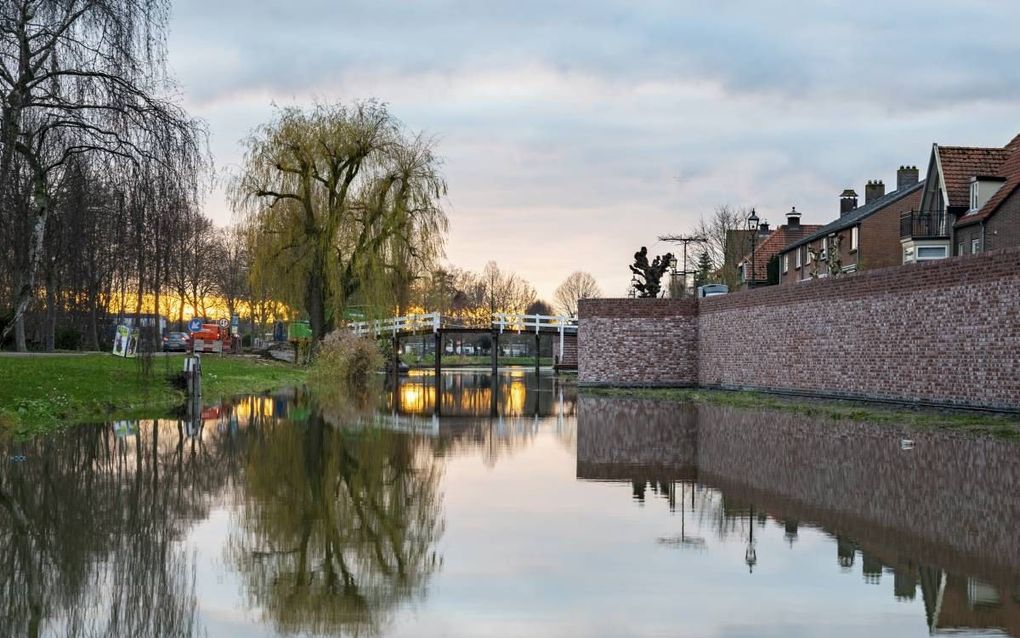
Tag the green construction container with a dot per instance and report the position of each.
(299, 331)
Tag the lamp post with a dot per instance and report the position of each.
(750, 555)
(752, 226)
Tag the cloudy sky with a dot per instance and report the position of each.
(575, 132)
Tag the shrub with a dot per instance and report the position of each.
(345, 359)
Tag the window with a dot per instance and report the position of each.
(959, 249)
(855, 233)
(973, 195)
(823, 252)
(786, 262)
(975, 245)
(798, 257)
(807, 251)
(929, 253)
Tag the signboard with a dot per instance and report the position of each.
(235, 326)
(194, 325)
(223, 323)
(125, 343)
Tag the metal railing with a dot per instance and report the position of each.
(924, 225)
(429, 322)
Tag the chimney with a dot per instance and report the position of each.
(793, 218)
(763, 229)
(847, 201)
(873, 190)
(906, 177)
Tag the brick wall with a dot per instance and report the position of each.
(646, 342)
(1003, 228)
(945, 332)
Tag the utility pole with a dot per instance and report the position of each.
(685, 240)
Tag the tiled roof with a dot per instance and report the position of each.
(855, 216)
(960, 163)
(1010, 169)
(772, 245)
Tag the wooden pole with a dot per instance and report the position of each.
(495, 356)
(538, 351)
(439, 352)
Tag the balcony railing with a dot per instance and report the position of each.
(924, 225)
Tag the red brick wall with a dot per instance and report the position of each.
(646, 342)
(945, 332)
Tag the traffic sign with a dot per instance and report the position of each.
(194, 325)
(224, 323)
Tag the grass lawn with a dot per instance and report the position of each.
(41, 393)
(999, 425)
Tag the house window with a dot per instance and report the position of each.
(975, 245)
(809, 257)
(973, 195)
(855, 233)
(823, 253)
(959, 249)
(929, 253)
(786, 262)
(797, 262)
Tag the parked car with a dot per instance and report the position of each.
(176, 342)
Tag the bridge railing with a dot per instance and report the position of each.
(514, 322)
(395, 325)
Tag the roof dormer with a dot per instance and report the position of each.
(982, 187)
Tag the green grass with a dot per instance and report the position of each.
(998, 425)
(472, 360)
(39, 394)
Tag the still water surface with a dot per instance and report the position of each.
(506, 507)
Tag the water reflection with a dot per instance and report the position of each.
(335, 526)
(925, 516)
(468, 505)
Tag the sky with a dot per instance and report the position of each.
(573, 133)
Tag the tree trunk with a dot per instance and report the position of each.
(26, 289)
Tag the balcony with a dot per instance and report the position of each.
(924, 225)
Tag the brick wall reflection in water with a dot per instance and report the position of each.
(942, 517)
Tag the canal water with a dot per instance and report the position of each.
(506, 507)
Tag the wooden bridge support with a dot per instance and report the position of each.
(439, 353)
(495, 354)
(538, 352)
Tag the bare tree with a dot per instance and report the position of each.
(726, 241)
(579, 285)
(80, 78)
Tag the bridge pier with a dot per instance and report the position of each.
(439, 352)
(396, 356)
(495, 353)
(538, 352)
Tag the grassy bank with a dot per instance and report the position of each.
(38, 394)
(1002, 426)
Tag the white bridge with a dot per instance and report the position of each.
(501, 323)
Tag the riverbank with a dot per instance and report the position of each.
(997, 425)
(43, 393)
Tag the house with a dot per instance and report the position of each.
(968, 203)
(767, 248)
(865, 236)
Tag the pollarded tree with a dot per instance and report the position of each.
(579, 285)
(338, 203)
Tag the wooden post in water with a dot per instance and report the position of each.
(439, 352)
(396, 356)
(495, 355)
(538, 351)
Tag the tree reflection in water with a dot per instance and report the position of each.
(90, 524)
(336, 526)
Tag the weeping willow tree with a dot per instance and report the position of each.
(343, 207)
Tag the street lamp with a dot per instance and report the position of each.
(752, 226)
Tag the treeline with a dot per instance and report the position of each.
(100, 169)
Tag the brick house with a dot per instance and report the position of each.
(993, 220)
(965, 205)
(866, 236)
(769, 247)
